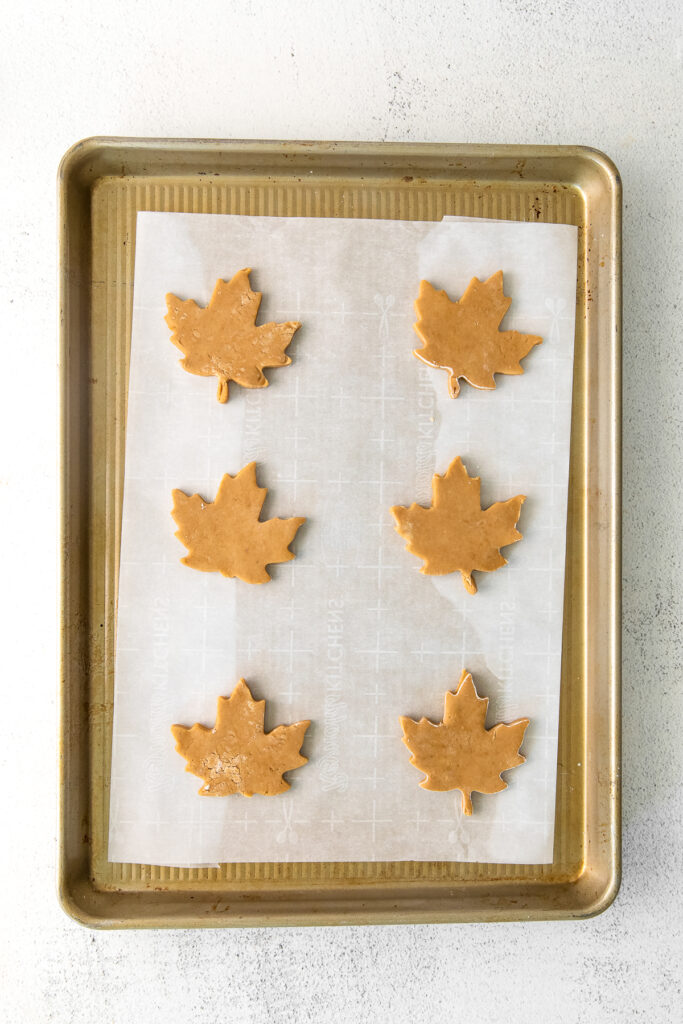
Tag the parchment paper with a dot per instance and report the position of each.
(349, 633)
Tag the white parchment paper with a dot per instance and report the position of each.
(349, 634)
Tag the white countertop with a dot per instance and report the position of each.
(601, 74)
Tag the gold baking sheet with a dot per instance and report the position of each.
(103, 183)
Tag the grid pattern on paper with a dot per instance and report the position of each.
(353, 570)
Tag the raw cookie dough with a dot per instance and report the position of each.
(463, 337)
(227, 536)
(456, 533)
(222, 339)
(237, 756)
(459, 752)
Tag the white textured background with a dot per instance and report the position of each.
(597, 73)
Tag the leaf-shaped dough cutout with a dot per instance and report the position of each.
(456, 533)
(463, 336)
(222, 339)
(227, 536)
(236, 755)
(460, 752)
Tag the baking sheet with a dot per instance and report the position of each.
(348, 634)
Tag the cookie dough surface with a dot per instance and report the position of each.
(227, 536)
(463, 336)
(236, 755)
(222, 339)
(455, 534)
(460, 753)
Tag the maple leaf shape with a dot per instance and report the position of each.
(455, 533)
(460, 752)
(237, 756)
(222, 339)
(227, 536)
(463, 336)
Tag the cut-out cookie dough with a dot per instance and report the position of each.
(455, 533)
(463, 337)
(460, 752)
(236, 755)
(227, 536)
(222, 339)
